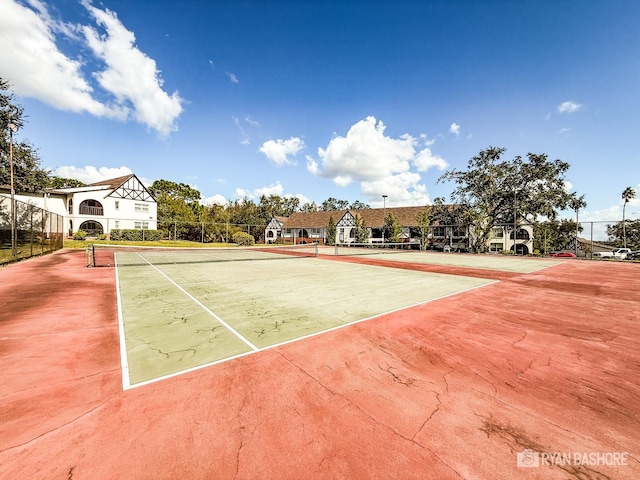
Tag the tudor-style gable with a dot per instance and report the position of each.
(347, 220)
(127, 187)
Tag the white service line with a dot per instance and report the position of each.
(204, 307)
(303, 337)
(124, 359)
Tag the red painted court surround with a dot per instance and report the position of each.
(454, 388)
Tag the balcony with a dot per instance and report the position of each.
(89, 210)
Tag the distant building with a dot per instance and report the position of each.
(99, 208)
(307, 227)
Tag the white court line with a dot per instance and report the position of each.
(201, 305)
(304, 337)
(124, 359)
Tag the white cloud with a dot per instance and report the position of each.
(569, 107)
(425, 160)
(232, 77)
(274, 189)
(216, 199)
(455, 129)
(90, 174)
(39, 69)
(244, 136)
(279, 151)
(365, 154)
(383, 165)
(130, 75)
(403, 189)
(251, 121)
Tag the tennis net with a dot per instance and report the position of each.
(352, 249)
(104, 255)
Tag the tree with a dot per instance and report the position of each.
(629, 229)
(331, 231)
(28, 176)
(627, 195)
(60, 182)
(358, 205)
(554, 235)
(274, 205)
(392, 228)
(309, 207)
(575, 204)
(175, 190)
(331, 204)
(178, 209)
(362, 232)
(495, 192)
(422, 218)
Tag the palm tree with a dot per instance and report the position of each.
(575, 204)
(627, 195)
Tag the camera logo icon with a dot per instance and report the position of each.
(528, 458)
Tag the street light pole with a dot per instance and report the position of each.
(384, 214)
(12, 129)
(515, 223)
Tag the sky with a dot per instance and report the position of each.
(351, 99)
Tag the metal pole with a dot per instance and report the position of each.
(384, 214)
(12, 128)
(515, 223)
(576, 246)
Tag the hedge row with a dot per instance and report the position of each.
(135, 235)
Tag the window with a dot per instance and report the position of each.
(142, 225)
(497, 233)
(117, 205)
(141, 207)
(439, 232)
(117, 224)
(496, 247)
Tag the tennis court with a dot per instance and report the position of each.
(183, 309)
(503, 263)
(458, 386)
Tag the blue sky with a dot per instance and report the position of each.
(316, 99)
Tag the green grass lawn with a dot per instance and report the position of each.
(81, 244)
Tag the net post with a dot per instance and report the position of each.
(90, 255)
(315, 249)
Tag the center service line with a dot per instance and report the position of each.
(229, 327)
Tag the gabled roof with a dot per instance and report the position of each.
(373, 217)
(112, 183)
(312, 219)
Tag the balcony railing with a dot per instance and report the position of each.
(86, 210)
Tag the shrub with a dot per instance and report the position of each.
(80, 235)
(243, 238)
(115, 234)
(152, 235)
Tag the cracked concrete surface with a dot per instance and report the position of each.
(452, 389)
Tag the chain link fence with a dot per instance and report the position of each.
(591, 237)
(208, 232)
(32, 232)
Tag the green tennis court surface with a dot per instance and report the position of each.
(183, 315)
(503, 263)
